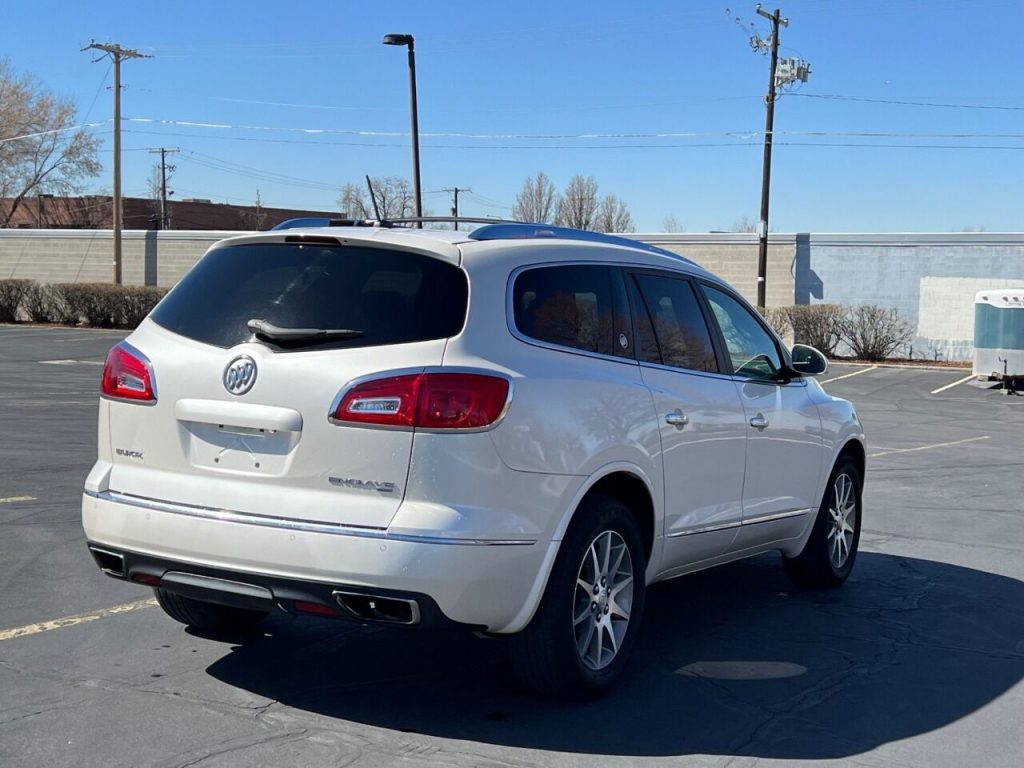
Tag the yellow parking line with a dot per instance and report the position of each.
(848, 375)
(12, 499)
(71, 621)
(929, 447)
(950, 386)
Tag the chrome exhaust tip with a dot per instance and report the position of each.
(111, 563)
(381, 610)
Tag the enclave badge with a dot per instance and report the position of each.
(240, 375)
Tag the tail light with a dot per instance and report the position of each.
(128, 375)
(426, 401)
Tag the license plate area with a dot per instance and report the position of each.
(240, 450)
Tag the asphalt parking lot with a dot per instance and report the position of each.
(917, 661)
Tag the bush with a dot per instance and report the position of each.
(778, 319)
(104, 306)
(36, 303)
(817, 325)
(137, 302)
(873, 332)
(96, 304)
(12, 293)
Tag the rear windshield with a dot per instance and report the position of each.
(393, 297)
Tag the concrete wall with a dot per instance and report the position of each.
(930, 278)
(86, 255)
(733, 257)
(161, 258)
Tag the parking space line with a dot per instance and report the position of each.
(848, 375)
(950, 386)
(12, 499)
(71, 621)
(929, 447)
(71, 362)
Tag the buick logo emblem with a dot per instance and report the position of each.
(240, 375)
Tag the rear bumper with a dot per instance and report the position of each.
(486, 585)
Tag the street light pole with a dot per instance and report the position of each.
(407, 40)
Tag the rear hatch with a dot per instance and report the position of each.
(241, 418)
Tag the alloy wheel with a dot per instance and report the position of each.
(843, 513)
(603, 600)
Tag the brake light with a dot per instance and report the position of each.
(426, 401)
(128, 375)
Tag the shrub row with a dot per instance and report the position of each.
(868, 332)
(96, 304)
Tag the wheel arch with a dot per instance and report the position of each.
(854, 449)
(623, 481)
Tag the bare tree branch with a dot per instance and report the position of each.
(578, 206)
(537, 201)
(613, 216)
(38, 152)
(393, 194)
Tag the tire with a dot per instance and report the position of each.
(546, 656)
(827, 560)
(205, 616)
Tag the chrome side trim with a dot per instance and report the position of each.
(739, 523)
(704, 529)
(291, 524)
(776, 516)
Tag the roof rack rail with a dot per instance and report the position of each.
(318, 221)
(323, 221)
(521, 231)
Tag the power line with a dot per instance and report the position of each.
(908, 103)
(556, 147)
(580, 136)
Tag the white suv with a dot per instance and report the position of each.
(513, 430)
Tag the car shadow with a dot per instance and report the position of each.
(731, 661)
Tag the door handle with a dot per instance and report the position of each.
(759, 422)
(677, 419)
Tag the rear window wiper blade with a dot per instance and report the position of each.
(268, 330)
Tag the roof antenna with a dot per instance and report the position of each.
(373, 198)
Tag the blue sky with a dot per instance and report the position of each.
(494, 73)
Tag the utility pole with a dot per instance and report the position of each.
(766, 173)
(117, 54)
(164, 168)
(455, 201)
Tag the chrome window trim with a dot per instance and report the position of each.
(412, 372)
(292, 524)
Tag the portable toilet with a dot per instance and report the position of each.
(999, 333)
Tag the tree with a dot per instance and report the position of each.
(537, 201)
(613, 216)
(744, 224)
(392, 193)
(671, 224)
(39, 151)
(578, 206)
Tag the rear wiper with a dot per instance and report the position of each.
(268, 330)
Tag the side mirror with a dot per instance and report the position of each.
(808, 361)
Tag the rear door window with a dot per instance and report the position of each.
(391, 296)
(578, 306)
(670, 324)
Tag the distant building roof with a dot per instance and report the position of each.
(94, 212)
